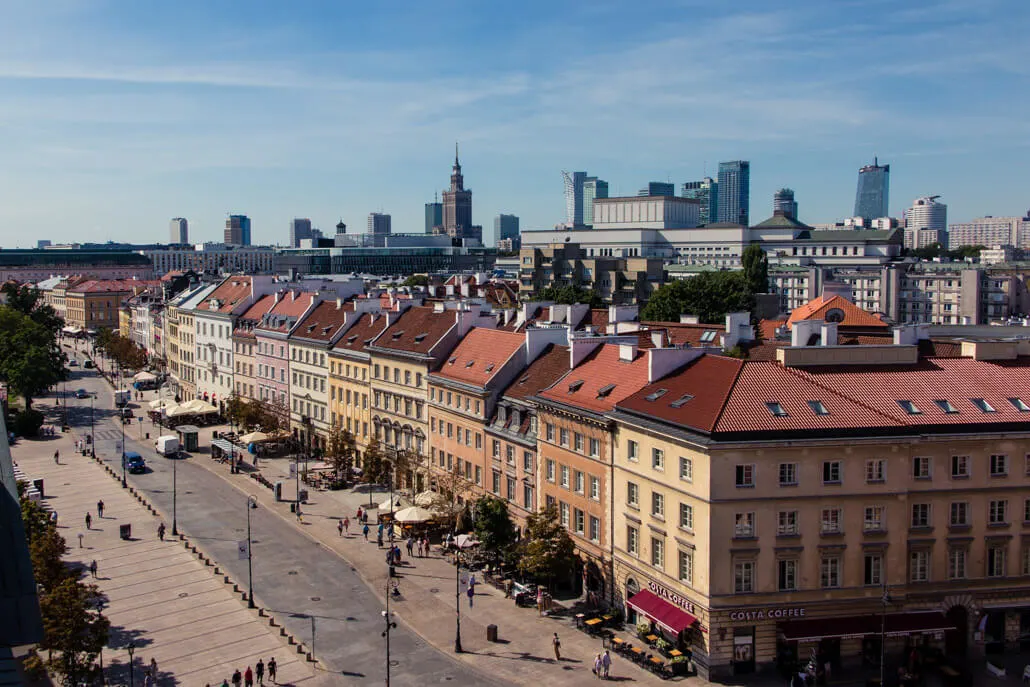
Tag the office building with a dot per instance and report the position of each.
(617, 280)
(593, 188)
(506, 228)
(657, 188)
(237, 230)
(434, 216)
(735, 192)
(580, 192)
(300, 229)
(991, 231)
(379, 227)
(457, 204)
(706, 193)
(43, 243)
(178, 230)
(783, 200)
(873, 195)
(926, 223)
(210, 258)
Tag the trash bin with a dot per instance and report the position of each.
(293, 507)
(491, 633)
(125, 531)
(278, 491)
(38, 484)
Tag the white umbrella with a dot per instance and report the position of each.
(162, 403)
(413, 514)
(177, 411)
(394, 505)
(426, 498)
(199, 407)
(254, 438)
(144, 377)
(465, 541)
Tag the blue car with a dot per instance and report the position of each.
(134, 463)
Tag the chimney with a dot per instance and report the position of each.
(537, 339)
(829, 334)
(339, 302)
(663, 361)
(803, 330)
(276, 297)
(579, 349)
(627, 352)
(658, 338)
(689, 319)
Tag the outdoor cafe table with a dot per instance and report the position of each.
(675, 652)
(652, 638)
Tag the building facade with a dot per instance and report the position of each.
(237, 230)
(735, 192)
(706, 193)
(872, 199)
(349, 378)
(179, 231)
(211, 258)
(991, 231)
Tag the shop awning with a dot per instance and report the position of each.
(897, 625)
(673, 619)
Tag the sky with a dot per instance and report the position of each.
(117, 116)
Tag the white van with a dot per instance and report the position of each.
(167, 445)
(121, 397)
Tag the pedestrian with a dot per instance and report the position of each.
(364, 517)
(508, 586)
(148, 681)
(540, 603)
(411, 546)
(57, 457)
(161, 531)
(339, 527)
(597, 665)
(53, 517)
(225, 683)
(260, 671)
(248, 677)
(358, 514)
(379, 538)
(100, 508)
(80, 539)
(93, 568)
(271, 669)
(471, 593)
(556, 643)
(237, 678)
(472, 582)
(364, 531)
(153, 667)
(346, 526)
(89, 521)
(606, 663)
(425, 540)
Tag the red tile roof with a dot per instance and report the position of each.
(596, 318)
(548, 367)
(480, 355)
(854, 316)
(259, 308)
(322, 323)
(767, 328)
(417, 330)
(680, 333)
(228, 294)
(106, 286)
(601, 380)
(707, 380)
(291, 305)
(361, 332)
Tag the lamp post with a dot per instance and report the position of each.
(131, 649)
(252, 503)
(296, 475)
(122, 449)
(885, 599)
(175, 494)
(457, 599)
(92, 433)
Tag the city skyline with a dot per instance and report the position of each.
(211, 115)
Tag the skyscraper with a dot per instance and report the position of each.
(379, 226)
(593, 188)
(457, 203)
(179, 230)
(658, 188)
(706, 192)
(506, 227)
(735, 192)
(237, 230)
(300, 229)
(873, 195)
(580, 192)
(926, 223)
(783, 201)
(434, 215)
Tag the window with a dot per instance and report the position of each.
(565, 476)
(998, 512)
(595, 529)
(595, 447)
(632, 495)
(959, 514)
(831, 472)
(686, 516)
(563, 437)
(496, 483)
(563, 511)
(872, 572)
(527, 458)
(686, 469)
(829, 572)
(960, 466)
(818, 408)
(510, 493)
(873, 521)
(550, 470)
(957, 564)
(509, 451)
(633, 540)
(830, 521)
(1026, 561)
(632, 451)
(579, 520)
(999, 465)
(919, 566)
(746, 475)
(657, 552)
(909, 407)
(744, 577)
(920, 515)
(787, 575)
(744, 527)
(579, 482)
(946, 406)
(875, 470)
(788, 474)
(549, 431)
(787, 523)
(595, 488)
(921, 467)
(776, 409)
(658, 459)
(527, 497)
(1019, 405)
(686, 567)
(577, 439)
(657, 504)
(996, 561)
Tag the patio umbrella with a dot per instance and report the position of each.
(199, 407)
(162, 403)
(394, 505)
(465, 541)
(254, 438)
(413, 514)
(144, 377)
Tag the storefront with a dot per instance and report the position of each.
(671, 616)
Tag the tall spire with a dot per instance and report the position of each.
(456, 164)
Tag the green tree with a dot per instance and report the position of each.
(493, 525)
(339, 451)
(569, 295)
(46, 551)
(372, 465)
(416, 280)
(74, 627)
(547, 551)
(30, 359)
(28, 300)
(709, 295)
(756, 268)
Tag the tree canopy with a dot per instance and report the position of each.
(936, 250)
(493, 525)
(756, 268)
(126, 353)
(30, 359)
(709, 295)
(569, 295)
(547, 551)
(416, 280)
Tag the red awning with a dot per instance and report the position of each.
(897, 625)
(673, 619)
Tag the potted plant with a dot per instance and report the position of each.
(643, 629)
(679, 665)
(663, 646)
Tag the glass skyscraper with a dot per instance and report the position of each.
(735, 192)
(434, 216)
(871, 199)
(706, 192)
(580, 192)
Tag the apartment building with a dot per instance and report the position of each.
(182, 345)
(94, 304)
(349, 379)
(617, 280)
(244, 343)
(271, 338)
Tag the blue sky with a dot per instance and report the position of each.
(117, 116)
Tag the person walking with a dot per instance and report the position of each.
(248, 677)
(606, 663)
(471, 593)
(379, 537)
(271, 669)
(93, 568)
(556, 643)
(57, 457)
(346, 526)
(364, 531)
(225, 683)
(472, 582)
(411, 546)
(259, 670)
(89, 521)
(161, 531)
(100, 508)
(339, 527)
(148, 680)
(153, 667)
(237, 678)
(597, 666)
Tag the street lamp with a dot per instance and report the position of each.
(457, 599)
(92, 433)
(175, 494)
(885, 599)
(131, 649)
(252, 503)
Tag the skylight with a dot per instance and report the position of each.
(983, 405)
(605, 390)
(708, 336)
(1019, 405)
(352, 338)
(776, 409)
(681, 401)
(946, 406)
(452, 361)
(575, 385)
(656, 394)
(397, 335)
(420, 338)
(909, 407)
(818, 408)
(490, 367)
(470, 363)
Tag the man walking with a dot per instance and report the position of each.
(260, 670)
(411, 546)
(57, 457)
(100, 508)
(89, 521)
(339, 527)
(346, 526)
(556, 643)
(271, 669)
(161, 531)
(237, 678)
(471, 593)
(93, 568)
(606, 663)
(248, 677)
(364, 531)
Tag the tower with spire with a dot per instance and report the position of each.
(457, 206)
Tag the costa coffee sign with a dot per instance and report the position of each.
(771, 613)
(671, 596)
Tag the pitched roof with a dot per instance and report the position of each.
(596, 318)
(361, 333)
(417, 330)
(105, 286)
(228, 295)
(854, 316)
(693, 334)
(782, 221)
(548, 367)
(281, 316)
(480, 355)
(322, 323)
(259, 308)
(601, 380)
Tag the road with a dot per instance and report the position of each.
(295, 577)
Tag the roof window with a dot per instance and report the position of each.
(776, 409)
(575, 385)
(397, 335)
(421, 337)
(470, 363)
(983, 405)
(1019, 405)
(311, 328)
(910, 407)
(352, 338)
(818, 408)
(656, 394)
(605, 390)
(708, 336)
(946, 406)
(681, 401)
(524, 379)
(490, 367)
(452, 361)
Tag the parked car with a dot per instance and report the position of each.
(81, 393)
(134, 463)
(88, 364)
(73, 363)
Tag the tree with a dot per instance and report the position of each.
(756, 268)
(46, 551)
(28, 300)
(453, 489)
(30, 359)
(416, 280)
(372, 465)
(339, 451)
(709, 295)
(74, 627)
(569, 295)
(493, 525)
(547, 550)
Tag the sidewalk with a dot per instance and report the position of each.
(159, 596)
